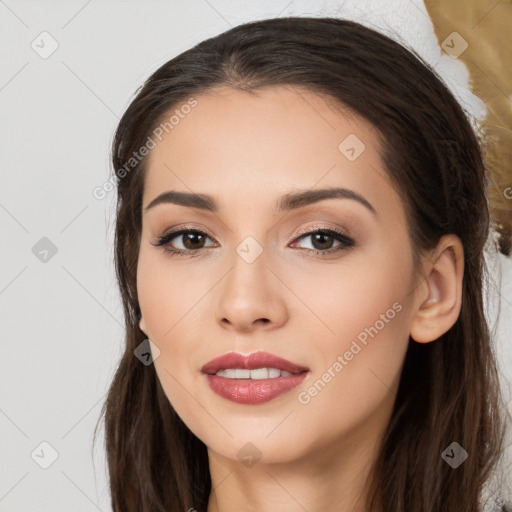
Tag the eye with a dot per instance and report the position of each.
(193, 240)
(323, 239)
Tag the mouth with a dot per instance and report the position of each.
(256, 374)
(258, 365)
(253, 379)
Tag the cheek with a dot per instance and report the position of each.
(352, 296)
(359, 366)
(167, 295)
(171, 299)
(167, 299)
(363, 312)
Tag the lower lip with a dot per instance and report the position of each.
(253, 391)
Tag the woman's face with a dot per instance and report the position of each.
(256, 284)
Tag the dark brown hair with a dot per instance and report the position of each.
(449, 388)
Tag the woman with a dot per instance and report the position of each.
(299, 247)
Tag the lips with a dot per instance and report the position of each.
(253, 361)
(247, 390)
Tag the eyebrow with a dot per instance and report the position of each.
(290, 201)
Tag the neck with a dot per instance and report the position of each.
(334, 479)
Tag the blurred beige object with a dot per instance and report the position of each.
(486, 27)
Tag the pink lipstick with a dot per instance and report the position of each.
(253, 379)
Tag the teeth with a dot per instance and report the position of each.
(258, 373)
(273, 373)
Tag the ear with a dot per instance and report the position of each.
(142, 325)
(439, 298)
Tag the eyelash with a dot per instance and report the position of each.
(164, 241)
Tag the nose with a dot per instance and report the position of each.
(251, 297)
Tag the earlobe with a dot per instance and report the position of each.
(438, 311)
(142, 325)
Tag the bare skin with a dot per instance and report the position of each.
(313, 450)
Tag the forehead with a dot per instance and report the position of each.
(233, 143)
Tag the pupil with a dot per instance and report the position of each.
(188, 237)
(325, 245)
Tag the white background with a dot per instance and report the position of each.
(61, 320)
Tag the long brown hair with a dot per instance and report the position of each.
(449, 388)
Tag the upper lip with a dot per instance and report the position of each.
(251, 362)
